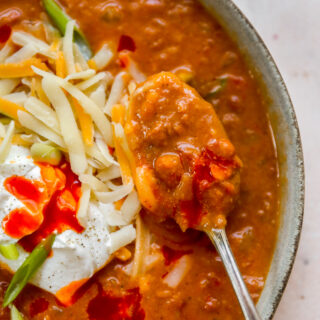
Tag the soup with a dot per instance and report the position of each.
(165, 273)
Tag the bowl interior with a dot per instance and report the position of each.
(287, 139)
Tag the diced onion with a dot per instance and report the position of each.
(43, 112)
(68, 126)
(26, 52)
(179, 271)
(68, 47)
(7, 85)
(122, 237)
(116, 92)
(103, 57)
(35, 125)
(113, 196)
(6, 143)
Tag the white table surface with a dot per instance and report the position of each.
(291, 31)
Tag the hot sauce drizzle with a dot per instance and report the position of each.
(50, 206)
(38, 306)
(60, 212)
(105, 306)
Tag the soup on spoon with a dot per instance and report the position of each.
(184, 166)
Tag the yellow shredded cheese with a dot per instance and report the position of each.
(21, 69)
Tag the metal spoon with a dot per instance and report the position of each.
(220, 241)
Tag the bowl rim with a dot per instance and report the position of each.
(220, 9)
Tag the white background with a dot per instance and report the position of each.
(291, 31)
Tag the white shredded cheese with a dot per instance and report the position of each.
(79, 58)
(116, 195)
(5, 52)
(83, 208)
(122, 237)
(94, 183)
(103, 57)
(7, 85)
(68, 126)
(98, 96)
(131, 206)
(110, 173)
(32, 123)
(84, 85)
(43, 112)
(68, 47)
(89, 106)
(116, 92)
(18, 98)
(81, 75)
(6, 143)
(26, 52)
(22, 39)
(179, 271)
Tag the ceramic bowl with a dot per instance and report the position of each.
(287, 139)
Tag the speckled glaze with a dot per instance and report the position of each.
(287, 139)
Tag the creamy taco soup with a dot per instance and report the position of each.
(125, 128)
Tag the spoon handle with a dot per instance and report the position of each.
(220, 241)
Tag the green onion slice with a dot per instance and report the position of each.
(218, 88)
(28, 268)
(9, 251)
(41, 152)
(60, 19)
(14, 313)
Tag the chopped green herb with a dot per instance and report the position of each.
(28, 268)
(15, 314)
(9, 251)
(217, 89)
(61, 19)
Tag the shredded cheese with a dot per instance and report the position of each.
(9, 108)
(85, 122)
(30, 122)
(6, 143)
(43, 113)
(88, 105)
(26, 52)
(103, 57)
(116, 92)
(69, 130)
(68, 47)
(21, 69)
